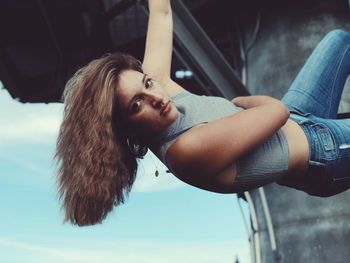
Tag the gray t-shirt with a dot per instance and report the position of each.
(264, 164)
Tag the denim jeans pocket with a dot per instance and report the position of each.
(338, 172)
(340, 168)
(316, 182)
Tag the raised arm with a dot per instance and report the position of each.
(159, 40)
(159, 45)
(206, 150)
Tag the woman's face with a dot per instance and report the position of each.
(146, 107)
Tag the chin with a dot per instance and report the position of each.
(173, 115)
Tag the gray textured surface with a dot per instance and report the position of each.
(308, 229)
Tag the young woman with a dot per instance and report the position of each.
(116, 108)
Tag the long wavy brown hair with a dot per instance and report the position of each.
(96, 163)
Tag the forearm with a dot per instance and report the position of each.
(159, 6)
(248, 102)
(159, 40)
(208, 149)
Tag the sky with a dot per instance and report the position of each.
(163, 220)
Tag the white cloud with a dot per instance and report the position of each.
(131, 251)
(29, 123)
(25, 164)
(41, 128)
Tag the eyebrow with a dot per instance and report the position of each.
(144, 78)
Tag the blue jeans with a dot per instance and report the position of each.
(313, 100)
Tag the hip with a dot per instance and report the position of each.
(326, 154)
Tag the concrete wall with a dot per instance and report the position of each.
(308, 229)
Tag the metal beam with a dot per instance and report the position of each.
(204, 54)
(117, 9)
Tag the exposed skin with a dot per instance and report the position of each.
(205, 155)
(143, 101)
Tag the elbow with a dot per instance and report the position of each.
(286, 113)
(283, 112)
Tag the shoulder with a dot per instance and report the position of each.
(184, 150)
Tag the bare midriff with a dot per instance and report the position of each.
(297, 165)
(298, 149)
(298, 157)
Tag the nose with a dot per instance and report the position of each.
(157, 100)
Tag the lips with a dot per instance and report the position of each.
(165, 109)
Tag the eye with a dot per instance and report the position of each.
(135, 106)
(148, 83)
